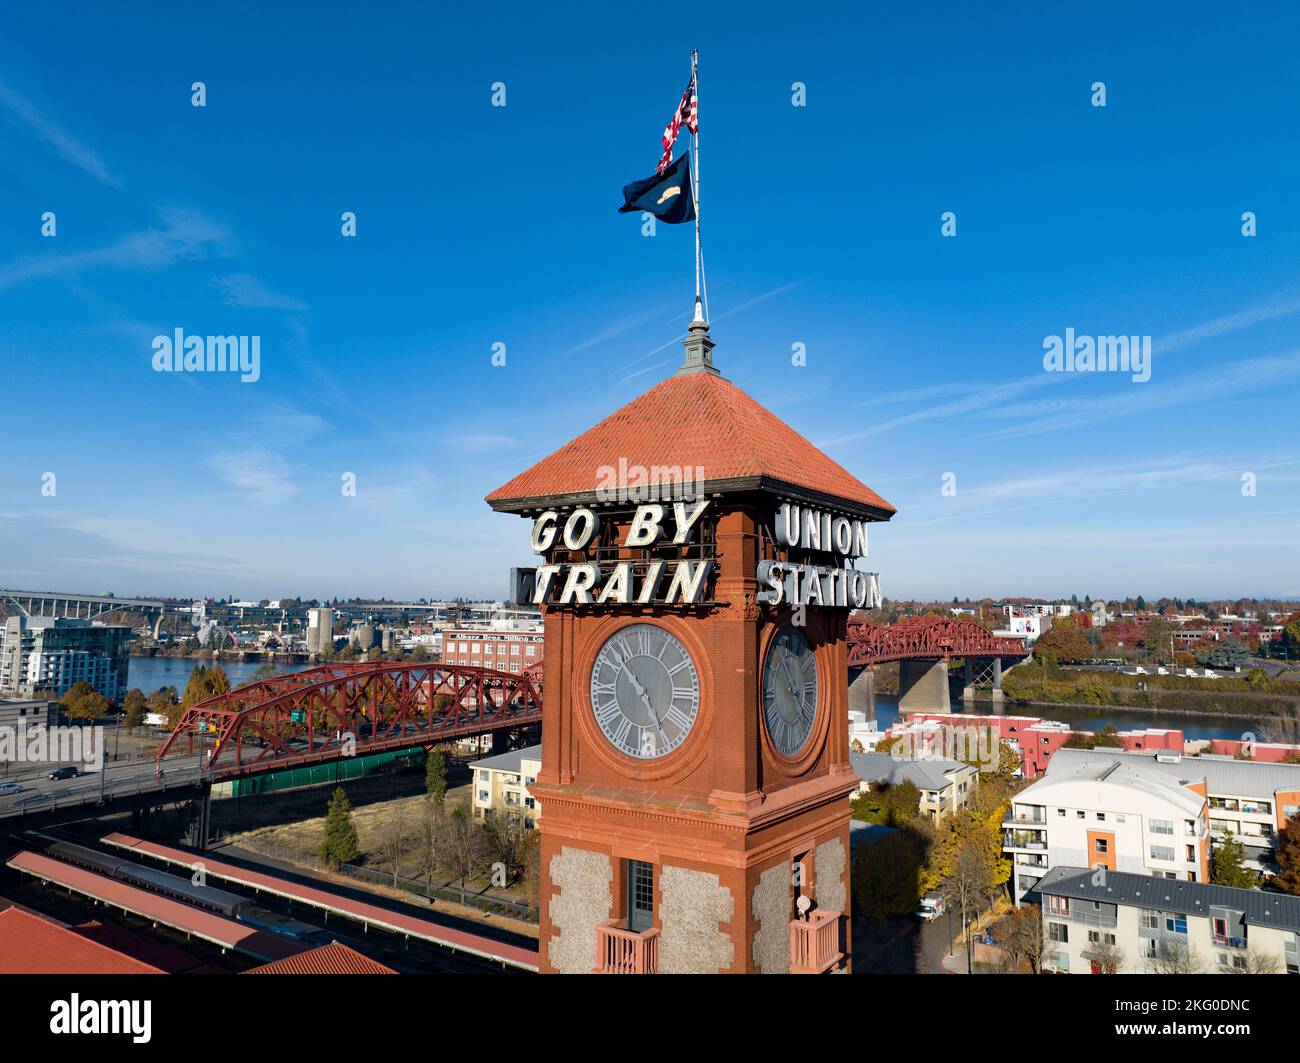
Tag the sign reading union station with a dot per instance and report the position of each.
(647, 579)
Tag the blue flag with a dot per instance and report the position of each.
(667, 195)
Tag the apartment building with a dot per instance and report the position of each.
(1165, 925)
(1120, 816)
(945, 785)
(1252, 799)
(501, 785)
(48, 655)
(506, 645)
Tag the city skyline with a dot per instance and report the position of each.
(480, 225)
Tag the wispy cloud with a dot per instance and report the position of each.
(25, 114)
(182, 236)
(244, 289)
(263, 474)
(483, 443)
(713, 321)
(1209, 385)
(1269, 310)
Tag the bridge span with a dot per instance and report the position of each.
(923, 646)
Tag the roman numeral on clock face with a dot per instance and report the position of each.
(644, 691)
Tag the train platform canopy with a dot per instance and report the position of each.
(30, 944)
(334, 958)
(697, 426)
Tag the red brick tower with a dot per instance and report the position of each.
(697, 576)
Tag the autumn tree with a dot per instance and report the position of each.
(134, 707)
(1019, 934)
(1288, 857)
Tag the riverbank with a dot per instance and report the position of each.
(1034, 685)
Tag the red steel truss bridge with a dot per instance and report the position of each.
(339, 710)
(925, 638)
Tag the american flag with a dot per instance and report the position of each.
(688, 112)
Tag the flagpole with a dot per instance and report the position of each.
(695, 178)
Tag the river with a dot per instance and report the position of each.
(150, 673)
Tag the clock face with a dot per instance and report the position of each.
(789, 691)
(645, 692)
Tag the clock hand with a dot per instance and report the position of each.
(790, 683)
(645, 700)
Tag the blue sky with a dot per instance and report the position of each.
(480, 225)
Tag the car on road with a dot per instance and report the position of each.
(68, 771)
(11, 788)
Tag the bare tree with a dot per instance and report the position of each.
(1257, 961)
(971, 882)
(428, 839)
(1175, 958)
(508, 842)
(461, 846)
(394, 845)
(1107, 958)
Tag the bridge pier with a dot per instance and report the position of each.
(968, 682)
(862, 693)
(923, 686)
(200, 819)
(997, 681)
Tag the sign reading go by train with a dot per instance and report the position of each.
(663, 554)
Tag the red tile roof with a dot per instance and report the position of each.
(32, 945)
(333, 958)
(697, 419)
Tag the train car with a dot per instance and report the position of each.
(182, 889)
(71, 853)
(284, 926)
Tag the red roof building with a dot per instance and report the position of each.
(333, 958)
(32, 945)
(693, 420)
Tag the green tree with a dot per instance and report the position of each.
(339, 845)
(1228, 865)
(435, 776)
(1156, 641)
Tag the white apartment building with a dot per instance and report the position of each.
(1251, 799)
(1120, 816)
(501, 785)
(1164, 925)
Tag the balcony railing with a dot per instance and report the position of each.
(1038, 816)
(1228, 941)
(622, 951)
(815, 943)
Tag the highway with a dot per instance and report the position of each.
(117, 780)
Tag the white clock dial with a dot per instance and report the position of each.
(645, 691)
(789, 691)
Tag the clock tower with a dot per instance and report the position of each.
(699, 562)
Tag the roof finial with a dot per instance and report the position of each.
(699, 346)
